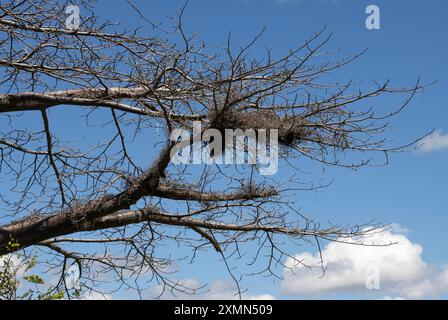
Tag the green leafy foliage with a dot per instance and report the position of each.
(15, 271)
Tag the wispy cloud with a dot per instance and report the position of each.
(218, 290)
(96, 296)
(434, 142)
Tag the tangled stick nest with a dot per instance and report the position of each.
(291, 130)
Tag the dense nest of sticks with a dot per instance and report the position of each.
(291, 130)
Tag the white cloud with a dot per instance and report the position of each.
(261, 297)
(96, 296)
(393, 298)
(434, 142)
(433, 285)
(398, 270)
(218, 290)
(14, 263)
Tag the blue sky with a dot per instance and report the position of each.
(410, 192)
(412, 42)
